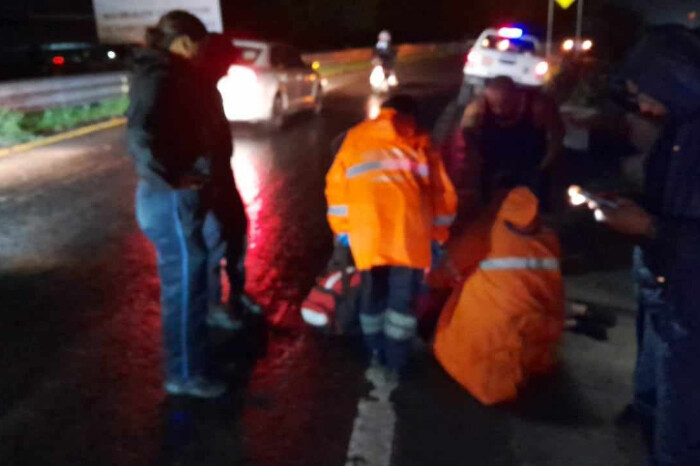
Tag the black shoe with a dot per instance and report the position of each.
(220, 317)
(590, 329)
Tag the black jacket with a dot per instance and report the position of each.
(666, 66)
(177, 126)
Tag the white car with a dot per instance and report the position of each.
(507, 51)
(269, 82)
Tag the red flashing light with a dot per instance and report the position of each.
(58, 60)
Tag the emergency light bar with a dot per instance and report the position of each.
(510, 33)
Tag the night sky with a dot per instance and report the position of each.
(319, 24)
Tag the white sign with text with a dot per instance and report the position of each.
(125, 21)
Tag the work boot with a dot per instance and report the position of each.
(198, 387)
(219, 316)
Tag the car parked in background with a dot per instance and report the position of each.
(507, 51)
(268, 82)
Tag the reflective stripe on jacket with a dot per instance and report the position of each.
(388, 190)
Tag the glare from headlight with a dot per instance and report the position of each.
(376, 79)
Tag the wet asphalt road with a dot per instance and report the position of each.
(79, 324)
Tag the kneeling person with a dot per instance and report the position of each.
(503, 323)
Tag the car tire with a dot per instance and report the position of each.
(318, 100)
(278, 117)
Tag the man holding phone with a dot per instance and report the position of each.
(663, 78)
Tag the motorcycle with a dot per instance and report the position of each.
(382, 79)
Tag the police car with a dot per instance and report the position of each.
(507, 51)
(269, 82)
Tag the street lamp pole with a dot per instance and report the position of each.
(550, 27)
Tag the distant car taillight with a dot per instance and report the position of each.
(542, 68)
(242, 76)
(58, 60)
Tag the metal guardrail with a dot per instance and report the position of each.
(67, 91)
(44, 93)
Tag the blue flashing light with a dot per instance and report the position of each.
(510, 32)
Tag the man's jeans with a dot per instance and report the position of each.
(174, 221)
(667, 377)
(387, 313)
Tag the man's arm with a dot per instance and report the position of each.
(444, 197)
(472, 157)
(547, 112)
(147, 96)
(336, 194)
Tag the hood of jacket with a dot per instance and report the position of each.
(665, 65)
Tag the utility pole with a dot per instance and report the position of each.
(579, 27)
(550, 27)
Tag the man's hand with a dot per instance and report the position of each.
(628, 218)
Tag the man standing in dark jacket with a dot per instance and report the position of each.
(181, 144)
(663, 73)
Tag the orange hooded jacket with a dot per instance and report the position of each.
(503, 324)
(388, 190)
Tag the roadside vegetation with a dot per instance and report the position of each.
(19, 127)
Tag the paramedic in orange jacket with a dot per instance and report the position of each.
(503, 324)
(389, 197)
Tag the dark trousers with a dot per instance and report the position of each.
(222, 244)
(667, 376)
(387, 314)
(174, 222)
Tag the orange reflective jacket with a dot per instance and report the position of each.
(388, 190)
(503, 324)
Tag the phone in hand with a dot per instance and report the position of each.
(579, 196)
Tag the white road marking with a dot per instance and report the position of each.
(372, 438)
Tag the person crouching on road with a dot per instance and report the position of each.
(177, 135)
(504, 320)
(389, 197)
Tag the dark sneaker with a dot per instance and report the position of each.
(199, 387)
(220, 317)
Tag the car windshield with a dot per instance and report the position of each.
(509, 45)
(248, 55)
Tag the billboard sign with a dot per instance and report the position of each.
(125, 21)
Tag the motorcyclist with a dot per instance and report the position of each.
(384, 53)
